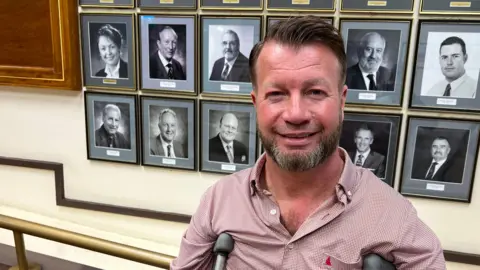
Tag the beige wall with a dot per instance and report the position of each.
(49, 125)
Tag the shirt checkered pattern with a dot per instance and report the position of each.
(366, 216)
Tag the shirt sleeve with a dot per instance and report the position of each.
(196, 247)
(418, 247)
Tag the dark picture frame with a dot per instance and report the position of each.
(214, 29)
(102, 120)
(449, 7)
(439, 41)
(182, 127)
(168, 4)
(105, 40)
(107, 3)
(432, 140)
(390, 72)
(379, 135)
(301, 5)
(372, 6)
(232, 121)
(178, 30)
(247, 5)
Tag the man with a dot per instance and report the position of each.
(108, 135)
(441, 167)
(223, 147)
(368, 73)
(305, 205)
(453, 56)
(162, 64)
(364, 156)
(164, 144)
(233, 66)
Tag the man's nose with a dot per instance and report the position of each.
(296, 111)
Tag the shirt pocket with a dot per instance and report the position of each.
(342, 264)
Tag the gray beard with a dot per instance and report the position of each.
(300, 162)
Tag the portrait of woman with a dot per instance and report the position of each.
(110, 43)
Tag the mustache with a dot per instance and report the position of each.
(310, 128)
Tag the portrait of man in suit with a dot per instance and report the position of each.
(368, 73)
(452, 56)
(233, 66)
(224, 147)
(364, 156)
(441, 166)
(164, 144)
(163, 65)
(108, 134)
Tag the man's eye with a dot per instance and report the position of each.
(316, 92)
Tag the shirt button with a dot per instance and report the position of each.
(290, 246)
(273, 212)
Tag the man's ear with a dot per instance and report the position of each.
(253, 95)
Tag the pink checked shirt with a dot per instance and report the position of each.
(366, 216)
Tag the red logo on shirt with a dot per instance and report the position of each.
(327, 262)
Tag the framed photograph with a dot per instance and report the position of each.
(449, 7)
(301, 5)
(404, 6)
(228, 136)
(371, 141)
(273, 19)
(107, 3)
(232, 4)
(226, 45)
(168, 52)
(440, 157)
(376, 55)
(446, 67)
(108, 51)
(168, 4)
(111, 121)
(168, 132)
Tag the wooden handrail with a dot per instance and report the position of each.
(87, 242)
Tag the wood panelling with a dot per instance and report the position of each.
(40, 44)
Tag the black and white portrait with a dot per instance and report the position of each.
(168, 56)
(439, 159)
(367, 144)
(108, 50)
(229, 137)
(450, 68)
(439, 154)
(229, 48)
(372, 57)
(112, 125)
(168, 131)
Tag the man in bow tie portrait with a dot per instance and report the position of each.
(163, 65)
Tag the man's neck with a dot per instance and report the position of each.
(318, 182)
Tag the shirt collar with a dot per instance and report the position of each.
(113, 73)
(346, 185)
(165, 62)
(457, 82)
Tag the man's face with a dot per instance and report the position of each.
(167, 45)
(109, 51)
(452, 61)
(228, 128)
(363, 140)
(168, 127)
(299, 104)
(111, 121)
(440, 149)
(371, 56)
(230, 46)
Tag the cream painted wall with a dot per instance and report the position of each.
(49, 125)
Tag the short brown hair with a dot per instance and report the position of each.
(299, 31)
